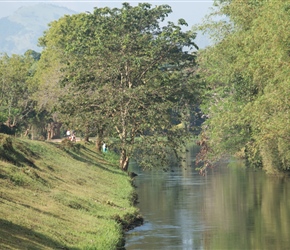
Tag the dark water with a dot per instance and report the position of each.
(230, 208)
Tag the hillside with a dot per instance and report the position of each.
(61, 196)
(20, 31)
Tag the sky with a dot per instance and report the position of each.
(191, 10)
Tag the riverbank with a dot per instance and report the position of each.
(62, 196)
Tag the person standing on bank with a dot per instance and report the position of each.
(104, 147)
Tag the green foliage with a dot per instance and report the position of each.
(16, 104)
(247, 75)
(122, 74)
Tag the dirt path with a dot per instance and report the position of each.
(78, 139)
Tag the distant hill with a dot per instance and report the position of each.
(20, 31)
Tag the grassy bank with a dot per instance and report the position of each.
(61, 196)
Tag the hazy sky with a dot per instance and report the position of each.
(192, 11)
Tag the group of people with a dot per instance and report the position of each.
(71, 135)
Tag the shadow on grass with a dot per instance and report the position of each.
(41, 211)
(13, 236)
(76, 154)
(82, 157)
(18, 156)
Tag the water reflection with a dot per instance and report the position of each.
(230, 208)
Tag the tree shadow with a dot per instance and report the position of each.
(13, 236)
(19, 155)
(77, 154)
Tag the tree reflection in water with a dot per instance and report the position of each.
(229, 208)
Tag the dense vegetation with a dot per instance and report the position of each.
(122, 77)
(115, 74)
(62, 196)
(126, 77)
(247, 76)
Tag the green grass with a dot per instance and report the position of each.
(61, 196)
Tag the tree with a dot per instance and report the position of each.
(16, 105)
(127, 73)
(247, 79)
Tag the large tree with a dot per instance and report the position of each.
(129, 72)
(16, 104)
(247, 72)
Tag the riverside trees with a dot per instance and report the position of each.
(16, 88)
(247, 72)
(125, 75)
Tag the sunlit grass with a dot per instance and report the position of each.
(62, 197)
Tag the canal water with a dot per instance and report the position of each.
(231, 208)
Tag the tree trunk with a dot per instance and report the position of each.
(124, 160)
(53, 130)
(99, 139)
(87, 134)
(27, 131)
(57, 128)
(98, 144)
(49, 130)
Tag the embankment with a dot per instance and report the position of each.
(62, 196)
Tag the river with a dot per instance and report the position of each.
(230, 208)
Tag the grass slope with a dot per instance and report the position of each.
(61, 196)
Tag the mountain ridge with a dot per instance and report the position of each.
(20, 31)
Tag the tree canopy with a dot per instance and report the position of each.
(132, 80)
(126, 75)
(16, 104)
(247, 75)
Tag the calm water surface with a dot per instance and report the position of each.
(229, 208)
